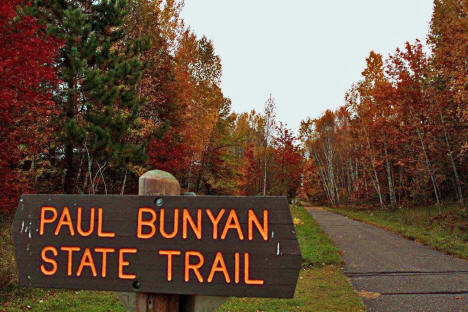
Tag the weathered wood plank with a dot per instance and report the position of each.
(275, 261)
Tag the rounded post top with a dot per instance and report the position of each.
(158, 182)
(158, 174)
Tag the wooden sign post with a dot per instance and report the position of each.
(158, 244)
(157, 182)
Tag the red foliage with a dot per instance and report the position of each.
(288, 159)
(168, 153)
(26, 55)
(251, 172)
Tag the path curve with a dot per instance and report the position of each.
(392, 273)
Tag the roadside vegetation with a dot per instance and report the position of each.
(399, 139)
(321, 286)
(445, 231)
(43, 300)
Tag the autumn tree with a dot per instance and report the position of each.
(26, 107)
(166, 90)
(400, 138)
(288, 162)
(448, 78)
(219, 172)
(98, 100)
(200, 68)
(269, 118)
(249, 133)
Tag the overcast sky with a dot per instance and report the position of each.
(307, 53)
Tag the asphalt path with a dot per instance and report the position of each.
(392, 273)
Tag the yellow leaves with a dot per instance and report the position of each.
(137, 170)
(148, 127)
(368, 294)
(297, 221)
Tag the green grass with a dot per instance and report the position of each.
(316, 247)
(321, 286)
(447, 231)
(41, 300)
(318, 289)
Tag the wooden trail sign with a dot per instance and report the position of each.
(204, 245)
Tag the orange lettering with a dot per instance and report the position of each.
(236, 268)
(215, 221)
(70, 257)
(87, 260)
(161, 224)
(123, 263)
(44, 209)
(49, 260)
(149, 223)
(253, 219)
(197, 229)
(232, 223)
(247, 279)
(194, 267)
(169, 254)
(104, 252)
(79, 224)
(219, 266)
(100, 232)
(65, 219)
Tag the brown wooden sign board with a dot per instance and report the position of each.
(204, 245)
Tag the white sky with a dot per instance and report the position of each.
(306, 53)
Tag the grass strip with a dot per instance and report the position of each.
(45, 300)
(316, 248)
(321, 287)
(318, 289)
(447, 232)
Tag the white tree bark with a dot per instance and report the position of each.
(458, 189)
(429, 167)
(375, 176)
(389, 177)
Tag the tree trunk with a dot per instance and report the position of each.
(70, 115)
(68, 187)
(389, 177)
(458, 189)
(376, 177)
(429, 169)
(323, 178)
(122, 190)
(200, 173)
(265, 169)
(328, 152)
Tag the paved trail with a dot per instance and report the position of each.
(405, 275)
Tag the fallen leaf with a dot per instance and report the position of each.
(368, 294)
(297, 221)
